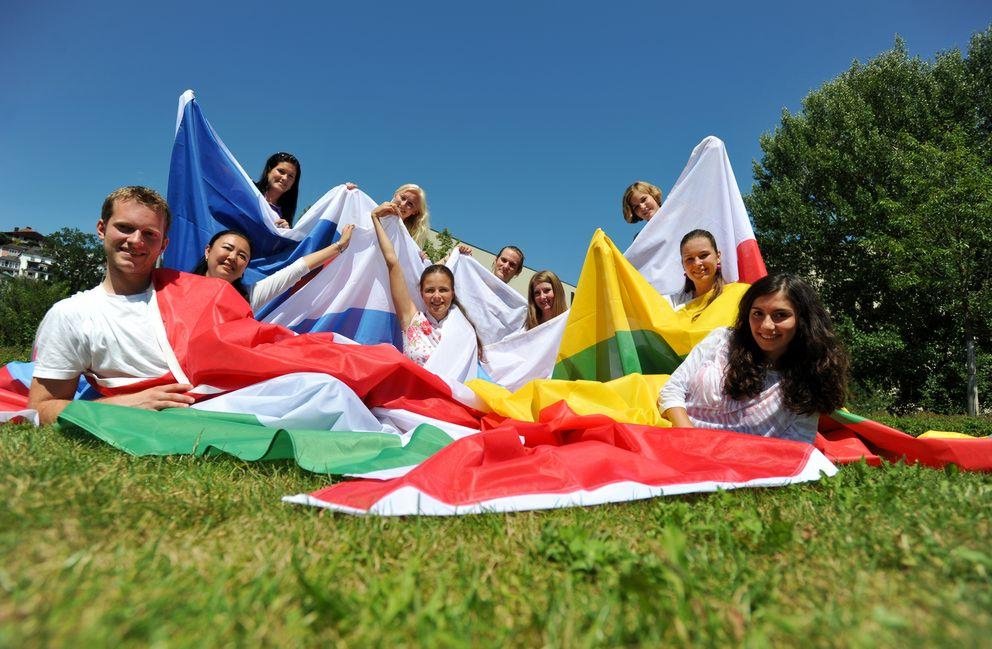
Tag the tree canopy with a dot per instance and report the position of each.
(880, 192)
(79, 260)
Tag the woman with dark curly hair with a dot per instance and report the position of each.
(771, 374)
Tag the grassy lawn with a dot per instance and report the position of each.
(100, 548)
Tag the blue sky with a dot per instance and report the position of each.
(524, 121)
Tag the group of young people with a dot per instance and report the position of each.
(770, 374)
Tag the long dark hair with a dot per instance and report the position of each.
(444, 270)
(286, 202)
(201, 266)
(718, 281)
(813, 367)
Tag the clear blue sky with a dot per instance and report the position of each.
(524, 121)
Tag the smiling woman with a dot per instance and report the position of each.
(280, 185)
(771, 374)
(422, 332)
(229, 251)
(545, 298)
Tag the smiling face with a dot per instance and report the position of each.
(133, 238)
(699, 261)
(408, 204)
(773, 324)
(280, 180)
(438, 293)
(642, 205)
(507, 264)
(228, 257)
(544, 298)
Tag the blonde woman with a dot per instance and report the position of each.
(640, 202)
(410, 204)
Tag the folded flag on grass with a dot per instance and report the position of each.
(846, 437)
(569, 460)
(706, 197)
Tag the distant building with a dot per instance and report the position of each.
(521, 281)
(26, 236)
(22, 255)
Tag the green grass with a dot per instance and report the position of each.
(100, 548)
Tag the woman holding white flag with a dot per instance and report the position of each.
(229, 251)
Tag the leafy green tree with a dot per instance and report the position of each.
(23, 303)
(78, 256)
(880, 192)
(438, 251)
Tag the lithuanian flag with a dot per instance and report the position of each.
(620, 325)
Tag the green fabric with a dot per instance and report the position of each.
(627, 352)
(187, 431)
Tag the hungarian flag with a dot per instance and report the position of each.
(569, 460)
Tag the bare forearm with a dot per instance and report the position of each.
(678, 416)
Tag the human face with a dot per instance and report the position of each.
(699, 261)
(280, 179)
(642, 205)
(773, 324)
(227, 258)
(437, 293)
(507, 265)
(544, 298)
(408, 203)
(133, 238)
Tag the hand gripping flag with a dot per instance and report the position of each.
(704, 197)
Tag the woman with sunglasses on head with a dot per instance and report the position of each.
(772, 374)
(228, 253)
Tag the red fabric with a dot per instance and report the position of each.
(565, 453)
(13, 393)
(750, 264)
(845, 441)
(218, 343)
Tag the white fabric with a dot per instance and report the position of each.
(496, 308)
(104, 336)
(457, 355)
(358, 278)
(697, 386)
(704, 197)
(307, 400)
(276, 283)
(525, 355)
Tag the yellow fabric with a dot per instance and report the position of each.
(632, 399)
(612, 296)
(944, 434)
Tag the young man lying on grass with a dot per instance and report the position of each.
(110, 332)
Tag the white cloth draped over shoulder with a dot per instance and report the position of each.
(705, 197)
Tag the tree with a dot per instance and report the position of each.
(439, 251)
(23, 303)
(78, 256)
(880, 191)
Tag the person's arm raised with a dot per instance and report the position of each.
(402, 302)
(330, 252)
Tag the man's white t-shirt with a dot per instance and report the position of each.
(107, 336)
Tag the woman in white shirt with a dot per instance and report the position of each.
(771, 374)
(229, 251)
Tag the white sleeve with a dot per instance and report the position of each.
(59, 348)
(273, 285)
(676, 390)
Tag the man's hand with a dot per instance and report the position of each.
(160, 397)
